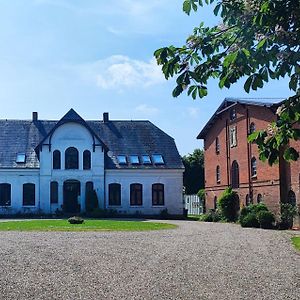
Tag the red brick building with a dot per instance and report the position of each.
(231, 161)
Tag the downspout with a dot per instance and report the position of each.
(227, 154)
(248, 156)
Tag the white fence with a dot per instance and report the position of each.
(193, 204)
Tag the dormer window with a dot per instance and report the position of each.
(232, 114)
(146, 159)
(158, 159)
(134, 159)
(21, 158)
(122, 160)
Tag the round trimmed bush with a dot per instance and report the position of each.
(75, 220)
(265, 219)
(249, 220)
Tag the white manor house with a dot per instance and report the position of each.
(48, 166)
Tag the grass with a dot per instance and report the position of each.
(194, 217)
(296, 242)
(88, 225)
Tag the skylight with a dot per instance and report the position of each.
(158, 159)
(21, 158)
(146, 159)
(134, 159)
(122, 159)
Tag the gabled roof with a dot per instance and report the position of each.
(71, 116)
(230, 102)
(119, 137)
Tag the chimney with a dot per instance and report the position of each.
(105, 117)
(34, 116)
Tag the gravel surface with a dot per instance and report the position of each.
(195, 261)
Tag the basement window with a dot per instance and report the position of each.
(158, 159)
(21, 158)
(122, 159)
(134, 159)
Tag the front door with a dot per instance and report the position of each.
(71, 193)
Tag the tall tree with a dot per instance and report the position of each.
(193, 177)
(258, 41)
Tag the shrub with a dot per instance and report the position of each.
(265, 219)
(228, 204)
(249, 220)
(288, 211)
(75, 220)
(91, 201)
(253, 208)
(211, 216)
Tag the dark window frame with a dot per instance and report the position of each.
(136, 194)
(158, 194)
(114, 194)
(28, 194)
(71, 159)
(87, 160)
(253, 167)
(232, 114)
(5, 194)
(252, 127)
(217, 145)
(235, 175)
(53, 192)
(56, 160)
(218, 174)
(259, 198)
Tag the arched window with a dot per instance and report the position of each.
(215, 202)
(114, 194)
(252, 128)
(53, 192)
(218, 175)
(259, 198)
(86, 160)
(28, 194)
(253, 167)
(217, 145)
(232, 114)
(56, 160)
(71, 158)
(136, 194)
(235, 175)
(5, 194)
(291, 198)
(158, 194)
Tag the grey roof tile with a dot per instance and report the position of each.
(120, 137)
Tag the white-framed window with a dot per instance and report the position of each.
(233, 136)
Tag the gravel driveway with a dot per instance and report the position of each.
(195, 261)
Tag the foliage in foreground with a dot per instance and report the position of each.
(88, 225)
(257, 216)
(258, 40)
(228, 205)
(287, 214)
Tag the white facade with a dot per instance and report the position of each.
(73, 134)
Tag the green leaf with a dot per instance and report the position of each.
(261, 44)
(217, 8)
(187, 6)
(248, 84)
(291, 154)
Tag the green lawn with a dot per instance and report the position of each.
(296, 242)
(88, 225)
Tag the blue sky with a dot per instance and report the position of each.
(97, 56)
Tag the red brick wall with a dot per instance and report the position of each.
(265, 183)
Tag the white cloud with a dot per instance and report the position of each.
(120, 72)
(147, 110)
(193, 112)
